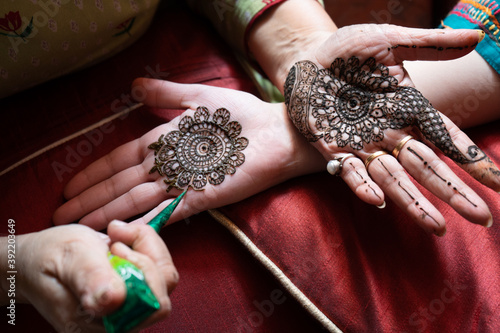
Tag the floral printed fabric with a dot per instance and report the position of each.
(233, 18)
(479, 14)
(43, 39)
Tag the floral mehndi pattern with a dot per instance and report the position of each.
(204, 150)
(353, 103)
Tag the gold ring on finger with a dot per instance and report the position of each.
(373, 157)
(400, 145)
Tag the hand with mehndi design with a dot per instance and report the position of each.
(357, 98)
(233, 147)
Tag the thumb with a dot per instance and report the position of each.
(166, 94)
(89, 275)
(432, 44)
(391, 44)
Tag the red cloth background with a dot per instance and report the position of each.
(368, 270)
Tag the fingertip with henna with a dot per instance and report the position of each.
(440, 233)
(481, 35)
(489, 223)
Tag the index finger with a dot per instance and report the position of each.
(143, 239)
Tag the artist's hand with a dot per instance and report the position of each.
(65, 274)
(120, 184)
(364, 102)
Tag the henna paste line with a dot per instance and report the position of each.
(390, 174)
(435, 172)
(400, 45)
(432, 47)
(439, 176)
(415, 153)
(365, 182)
(464, 196)
(399, 183)
(409, 194)
(356, 170)
(494, 171)
(426, 214)
(426, 164)
(404, 189)
(374, 192)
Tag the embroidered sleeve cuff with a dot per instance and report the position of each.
(479, 14)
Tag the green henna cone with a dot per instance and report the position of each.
(161, 219)
(140, 301)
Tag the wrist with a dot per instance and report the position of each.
(300, 157)
(287, 33)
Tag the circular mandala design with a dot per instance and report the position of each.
(349, 101)
(202, 151)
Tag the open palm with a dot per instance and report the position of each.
(120, 185)
(355, 97)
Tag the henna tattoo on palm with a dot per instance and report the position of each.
(204, 150)
(353, 103)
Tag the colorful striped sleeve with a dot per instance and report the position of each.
(479, 14)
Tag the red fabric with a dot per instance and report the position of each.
(372, 270)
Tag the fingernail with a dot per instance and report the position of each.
(103, 236)
(118, 223)
(175, 276)
(440, 234)
(120, 246)
(489, 223)
(102, 297)
(96, 300)
(481, 35)
(382, 206)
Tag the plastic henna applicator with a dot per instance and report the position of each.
(140, 301)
